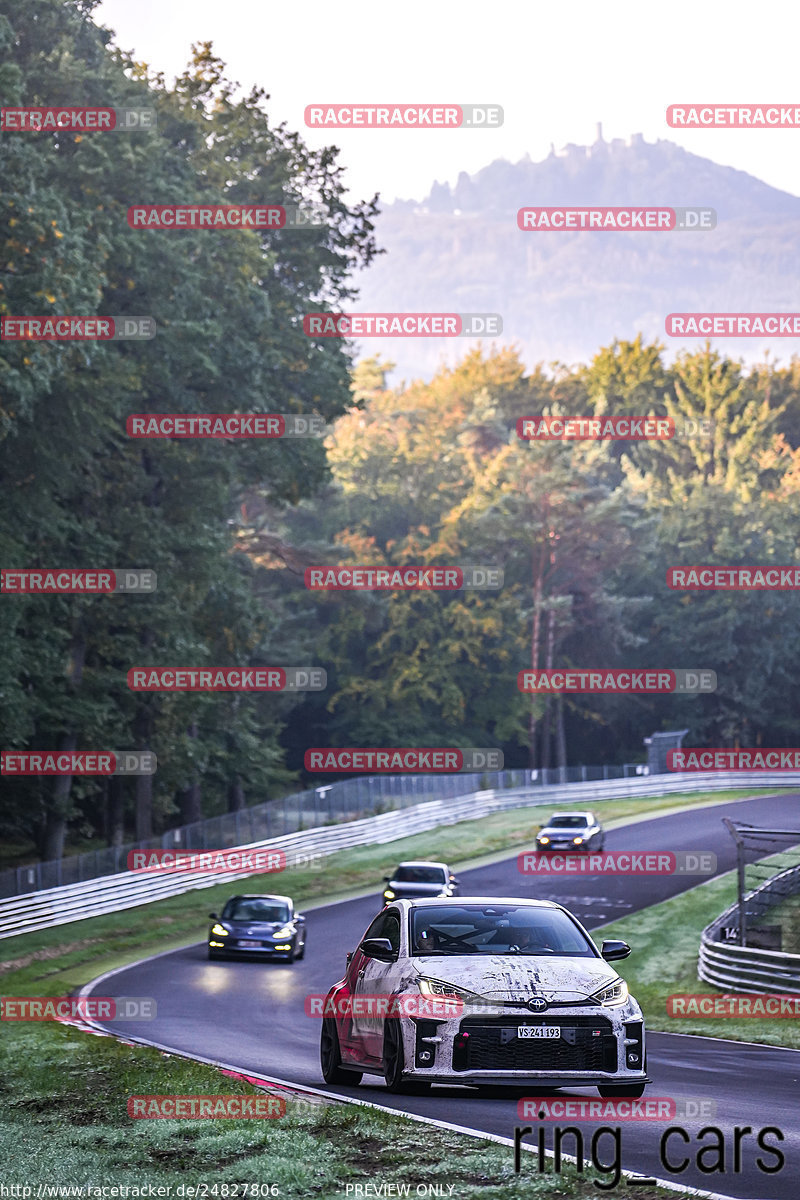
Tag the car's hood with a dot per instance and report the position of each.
(256, 927)
(554, 831)
(416, 889)
(517, 977)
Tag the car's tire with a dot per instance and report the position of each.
(330, 1058)
(394, 1058)
(290, 956)
(611, 1091)
(302, 953)
(213, 956)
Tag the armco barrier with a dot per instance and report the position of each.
(112, 893)
(330, 804)
(745, 968)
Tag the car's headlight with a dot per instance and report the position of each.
(543, 841)
(613, 995)
(577, 841)
(220, 930)
(280, 934)
(439, 989)
(388, 894)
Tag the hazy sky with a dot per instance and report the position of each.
(556, 68)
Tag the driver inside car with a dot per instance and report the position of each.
(528, 939)
(427, 941)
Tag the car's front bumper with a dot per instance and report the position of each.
(249, 951)
(597, 1045)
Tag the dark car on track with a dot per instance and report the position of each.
(258, 925)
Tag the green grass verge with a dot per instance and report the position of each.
(64, 1122)
(665, 941)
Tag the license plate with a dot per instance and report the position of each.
(249, 944)
(538, 1031)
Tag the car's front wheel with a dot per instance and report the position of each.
(330, 1056)
(302, 952)
(612, 1091)
(394, 1057)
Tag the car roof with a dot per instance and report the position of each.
(421, 862)
(583, 812)
(259, 896)
(489, 901)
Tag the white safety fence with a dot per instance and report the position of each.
(738, 968)
(128, 889)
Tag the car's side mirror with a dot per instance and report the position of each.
(380, 948)
(387, 879)
(298, 917)
(453, 879)
(349, 957)
(213, 917)
(614, 950)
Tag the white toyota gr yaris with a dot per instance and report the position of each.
(483, 990)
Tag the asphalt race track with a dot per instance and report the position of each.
(250, 1015)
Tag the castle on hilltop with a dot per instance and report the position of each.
(600, 146)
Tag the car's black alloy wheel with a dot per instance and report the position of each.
(394, 1060)
(330, 1057)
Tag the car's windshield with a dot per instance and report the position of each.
(419, 875)
(568, 822)
(246, 909)
(496, 929)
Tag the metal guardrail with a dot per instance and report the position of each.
(113, 893)
(347, 800)
(746, 968)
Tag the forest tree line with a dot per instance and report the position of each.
(420, 473)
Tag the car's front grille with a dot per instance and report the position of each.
(586, 1044)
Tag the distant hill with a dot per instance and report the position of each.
(562, 295)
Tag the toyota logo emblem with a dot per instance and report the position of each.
(537, 1004)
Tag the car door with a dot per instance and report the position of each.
(350, 1034)
(375, 979)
